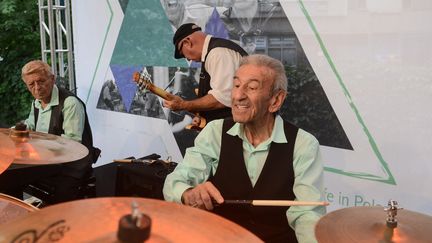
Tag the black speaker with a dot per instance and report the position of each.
(142, 179)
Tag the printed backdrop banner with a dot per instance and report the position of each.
(359, 80)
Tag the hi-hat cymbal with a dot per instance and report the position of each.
(96, 220)
(368, 224)
(7, 152)
(42, 148)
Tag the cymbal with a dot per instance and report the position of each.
(7, 152)
(368, 224)
(12, 208)
(96, 220)
(42, 148)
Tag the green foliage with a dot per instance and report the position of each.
(19, 43)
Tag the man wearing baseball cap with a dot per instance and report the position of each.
(219, 59)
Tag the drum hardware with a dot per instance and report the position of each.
(19, 133)
(134, 227)
(32, 200)
(391, 209)
(97, 220)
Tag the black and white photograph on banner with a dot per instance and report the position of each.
(110, 98)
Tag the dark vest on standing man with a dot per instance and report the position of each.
(204, 84)
(82, 167)
(274, 183)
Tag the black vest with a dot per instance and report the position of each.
(274, 183)
(80, 168)
(204, 84)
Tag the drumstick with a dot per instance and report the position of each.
(149, 161)
(276, 203)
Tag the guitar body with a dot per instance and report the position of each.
(203, 123)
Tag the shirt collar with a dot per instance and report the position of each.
(277, 136)
(54, 99)
(205, 47)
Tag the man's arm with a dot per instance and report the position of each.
(205, 103)
(308, 186)
(198, 164)
(221, 65)
(73, 118)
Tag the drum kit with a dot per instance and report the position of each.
(121, 219)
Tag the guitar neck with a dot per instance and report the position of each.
(158, 91)
(147, 84)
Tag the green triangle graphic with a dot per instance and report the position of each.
(145, 37)
(388, 178)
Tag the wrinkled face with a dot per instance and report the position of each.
(189, 50)
(39, 85)
(251, 95)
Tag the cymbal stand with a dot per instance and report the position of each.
(134, 227)
(391, 209)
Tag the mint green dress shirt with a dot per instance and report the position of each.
(202, 160)
(73, 116)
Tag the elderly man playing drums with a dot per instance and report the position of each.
(255, 155)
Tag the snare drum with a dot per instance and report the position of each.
(11, 208)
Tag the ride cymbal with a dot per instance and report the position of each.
(368, 224)
(97, 219)
(36, 148)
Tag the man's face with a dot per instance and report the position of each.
(39, 85)
(189, 50)
(251, 94)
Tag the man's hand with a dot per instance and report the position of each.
(202, 196)
(196, 121)
(174, 102)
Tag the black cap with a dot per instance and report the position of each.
(182, 32)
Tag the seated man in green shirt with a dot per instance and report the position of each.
(56, 111)
(255, 155)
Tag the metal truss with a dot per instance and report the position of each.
(56, 39)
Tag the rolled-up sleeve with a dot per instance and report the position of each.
(221, 65)
(199, 162)
(308, 186)
(73, 118)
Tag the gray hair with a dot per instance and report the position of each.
(277, 68)
(36, 66)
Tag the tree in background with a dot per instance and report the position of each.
(19, 43)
